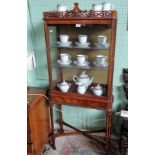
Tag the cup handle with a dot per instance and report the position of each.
(58, 85)
(86, 57)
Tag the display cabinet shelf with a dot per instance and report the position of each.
(91, 47)
(89, 66)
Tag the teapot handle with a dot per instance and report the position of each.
(75, 79)
(91, 80)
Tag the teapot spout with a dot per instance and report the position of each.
(91, 80)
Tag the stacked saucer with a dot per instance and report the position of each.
(86, 63)
(67, 44)
(105, 45)
(64, 63)
(82, 45)
(105, 64)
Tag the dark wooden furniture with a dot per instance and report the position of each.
(124, 128)
(93, 24)
(38, 120)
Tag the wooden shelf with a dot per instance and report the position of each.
(88, 100)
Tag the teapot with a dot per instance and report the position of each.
(97, 90)
(81, 88)
(83, 78)
(64, 86)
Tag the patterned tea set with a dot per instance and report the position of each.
(83, 43)
(81, 59)
(82, 81)
(95, 7)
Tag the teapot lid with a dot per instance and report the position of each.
(98, 87)
(83, 75)
(64, 83)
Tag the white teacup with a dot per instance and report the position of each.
(64, 38)
(81, 59)
(101, 59)
(65, 58)
(82, 39)
(107, 6)
(61, 7)
(102, 40)
(97, 7)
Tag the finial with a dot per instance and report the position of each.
(76, 7)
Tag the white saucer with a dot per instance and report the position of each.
(65, 45)
(84, 64)
(82, 45)
(64, 64)
(101, 65)
(104, 45)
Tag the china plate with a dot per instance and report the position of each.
(104, 45)
(101, 65)
(64, 45)
(82, 45)
(64, 64)
(84, 64)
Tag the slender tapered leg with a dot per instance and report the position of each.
(61, 119)
(108, 130)
(52, 125)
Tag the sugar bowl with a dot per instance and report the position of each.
(97, 90)
(64, 86)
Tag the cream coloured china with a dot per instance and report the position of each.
(81, 59)
(83, 78)
(97, 7)
(81, 88)
(64, 86)
(64, 38)
(65, 58)
(107, 6)
(82, 45)
(106, 45)
(101, 59)
(64, 44)
(105, 65)
(102, 40)
(82, 64)
(64, 64)
(97, 90)
(61, 7)
(82, 39)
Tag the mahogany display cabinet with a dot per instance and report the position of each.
(74, 23)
